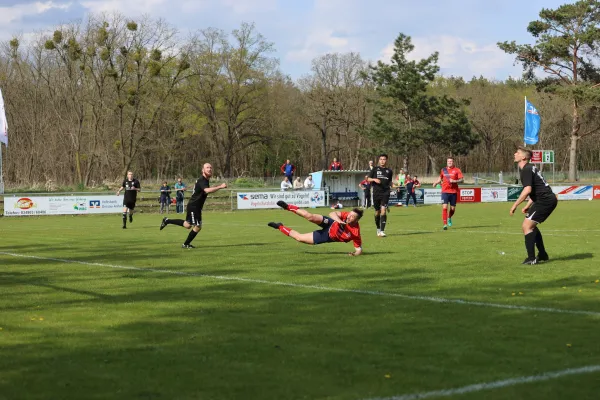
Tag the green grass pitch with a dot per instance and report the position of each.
(106, 313)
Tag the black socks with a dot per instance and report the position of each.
(530, 239)
(124, 219)
(539, 242)
(378, 221)
(175, 222)
(383, 219)
(190, 237)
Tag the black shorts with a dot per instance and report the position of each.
(449, 198)
(322, 235)
(540, 211)
(380, 200)
(129, 204)
(194, 216)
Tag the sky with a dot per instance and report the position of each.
(464, 32)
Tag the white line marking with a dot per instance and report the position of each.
(319, 287)
(495, 385)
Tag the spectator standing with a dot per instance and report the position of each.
(365, 185)
(285, 184)
(336, 165)
(309, 183)
(179, 195)
(288, 169)
(410, 190)
(165, 197)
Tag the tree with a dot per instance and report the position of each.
(566, 50)
(406, 115)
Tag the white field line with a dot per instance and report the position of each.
(319, 287)
(495, 385)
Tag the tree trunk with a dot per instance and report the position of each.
(575, 126)
(324, 143)
(433, 164)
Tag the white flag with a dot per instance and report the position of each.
(3, 122)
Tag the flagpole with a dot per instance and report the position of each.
(525, 123)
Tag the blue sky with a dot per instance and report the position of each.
(465, 32)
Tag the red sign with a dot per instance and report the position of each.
(597, 192)
(536, 156)
(471, 195)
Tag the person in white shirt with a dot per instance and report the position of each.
(285, 184)
(309, 183)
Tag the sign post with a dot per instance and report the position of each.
(543, 157)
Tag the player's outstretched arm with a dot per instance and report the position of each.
(215, 188)
(119, 191)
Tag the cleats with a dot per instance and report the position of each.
(449, 221)
(163, 223)
(275, 225)
(187, 246)
(382, 234)
(530, 261)
(124, 227)
(282, 204)
(542, 257)
(445, 227)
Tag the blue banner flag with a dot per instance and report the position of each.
(532, 123)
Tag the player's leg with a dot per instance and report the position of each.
(187, 223)
(445, 210)
(452, 203)
(377, 207)
(383, 215)
(300, 237)
(414, 197)
(529, 231)
(124, 216)
(539, 213)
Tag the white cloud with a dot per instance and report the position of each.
(317, 43)
(14, 14)
(126, 7)
(459, 56)
(250, 6)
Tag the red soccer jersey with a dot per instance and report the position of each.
(450, 173)
(336, 166)
(345, 232)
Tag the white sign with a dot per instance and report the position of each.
(255, 200)
(574, 192)
(62, 205)
(432, 196)
(494, 194)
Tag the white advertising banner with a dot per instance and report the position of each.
(255, 200)
(62, 205)
(494, 194)
(574, 192)
(432, 196)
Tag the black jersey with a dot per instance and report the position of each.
(199, 195)
(130, 192)
(540, 190)
(385, 175)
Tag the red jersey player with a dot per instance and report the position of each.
(450, 178)
(337, 227)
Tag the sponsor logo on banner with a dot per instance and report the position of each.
(24, 203)
(469, 195)
(80, 206)
(489, 195)
(597, 192)
(248, 201)
(514, 193)
(95, 204)
(575, 192)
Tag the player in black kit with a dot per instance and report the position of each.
(193, 218)
(542, 201)
(132, 187)
(380, 178)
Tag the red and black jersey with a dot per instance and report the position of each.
(345, 232)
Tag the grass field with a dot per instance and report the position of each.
(91, 311)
